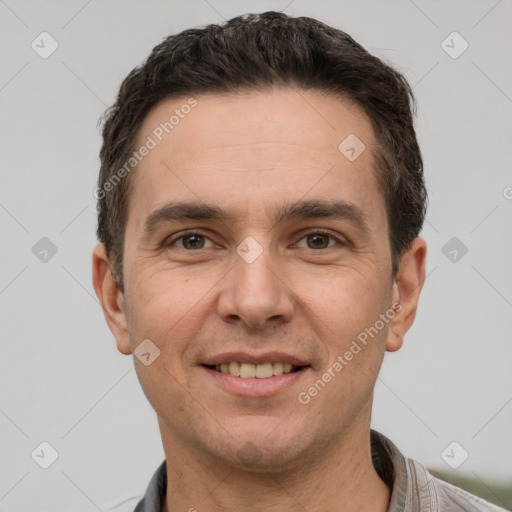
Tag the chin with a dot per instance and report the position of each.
(264, 449)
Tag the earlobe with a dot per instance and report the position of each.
(406, 292)
(111, 299)
(395, 339)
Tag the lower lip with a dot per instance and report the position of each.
(256, 387)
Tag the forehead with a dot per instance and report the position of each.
(249, 150)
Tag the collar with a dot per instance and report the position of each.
(389, 463)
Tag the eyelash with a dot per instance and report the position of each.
(186, 234)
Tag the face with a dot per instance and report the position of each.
(251, 238)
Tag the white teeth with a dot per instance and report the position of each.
(247, 371)
(251, 371)
(277, 369)
(264, 371)
(234, 369)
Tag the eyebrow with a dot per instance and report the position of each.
(301, 210)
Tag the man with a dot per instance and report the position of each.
(260, 198)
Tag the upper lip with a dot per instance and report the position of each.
(244, 357)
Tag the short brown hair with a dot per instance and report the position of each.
(257, 52)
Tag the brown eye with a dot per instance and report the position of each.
(318, 241)
(188, 241)
(193, 241)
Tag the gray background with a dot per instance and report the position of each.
(62, 379)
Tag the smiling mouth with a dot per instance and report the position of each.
(256, 371)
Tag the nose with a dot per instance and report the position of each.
(256, 294)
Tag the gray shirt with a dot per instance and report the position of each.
(414, 489)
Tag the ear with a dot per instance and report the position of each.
(406, 292)
(111, 298)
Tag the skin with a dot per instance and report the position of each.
(243, 153)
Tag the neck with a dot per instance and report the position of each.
(341, 478)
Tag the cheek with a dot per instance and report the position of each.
(343, 301)
(169, 309)
(344, 309)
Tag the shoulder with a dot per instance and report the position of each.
(151, 500)
(415, 489)
(448, 497)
